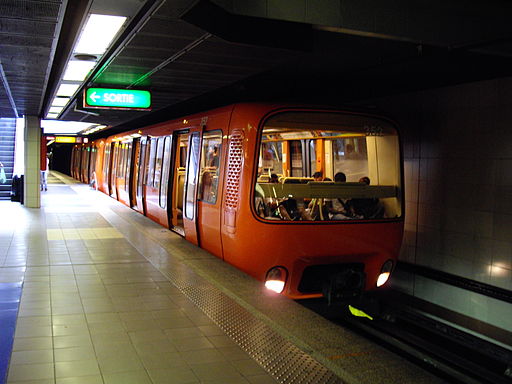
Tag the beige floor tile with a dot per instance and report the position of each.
(32, 357)
(134, 377)
(76, 368)
(33, 331)
(32, 343)
(74, 354)
(204, 356)
(120, 363)
(175, 334)
(193, 343)
(77, 319)
(106, 317)
(70, 330)
(68, 310)
(147, 336)
(248, 367)
(34, 321)
(41, 381)
(72, 341)
(161, 360)
(215, 371)
(24, 372)
(173, 376)
(261, 379)
(96, 379)
(155, 347)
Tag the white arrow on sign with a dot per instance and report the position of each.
(94, 96)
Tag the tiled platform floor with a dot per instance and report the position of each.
(108, 297)
(94, 310)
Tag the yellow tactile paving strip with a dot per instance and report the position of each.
(83, 234)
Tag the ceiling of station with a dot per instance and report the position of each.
(200, 54)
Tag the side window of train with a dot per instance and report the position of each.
(209, 172)
(158, 163)
(151, 166)
(165, 171)
(115, 156)
(142, 167)
(119, 160)
(106, 161)
(128, 163)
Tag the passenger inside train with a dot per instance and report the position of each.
(308, 150)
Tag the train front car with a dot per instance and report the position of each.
(316, 206)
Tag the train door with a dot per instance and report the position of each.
(134, 175)
(179, 164)
(140, 195)
(208, 199)
(190, 190)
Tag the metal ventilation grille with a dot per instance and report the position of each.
(30, 9)
(279, 357)
(234, 169)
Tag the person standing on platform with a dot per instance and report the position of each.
(44, 175)
(3, 177)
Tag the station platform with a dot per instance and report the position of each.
(93, 292)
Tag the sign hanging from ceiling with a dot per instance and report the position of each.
(112, 98)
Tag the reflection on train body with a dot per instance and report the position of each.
(237, 181)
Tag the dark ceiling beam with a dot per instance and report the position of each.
(443, 23)
(259, 31)
(71, 22)
(8, 92)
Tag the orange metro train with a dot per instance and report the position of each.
(308, 200)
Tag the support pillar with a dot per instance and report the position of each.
(32, 172)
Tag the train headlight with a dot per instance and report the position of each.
(385, 272)
(276, 279)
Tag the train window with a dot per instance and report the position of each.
(165, 172)
(312, 157)
(92, 166)
(191, 181)
(115, 161)
(209, 172)
(106, 161)
(142, 167)
(151, 166)
(158, 163)
(128, 163)
(119, 160)
(271, 156)
(358, 157)
(297, 166)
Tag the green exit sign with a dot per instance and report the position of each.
(117, 98)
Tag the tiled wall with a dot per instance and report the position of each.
(458, 174)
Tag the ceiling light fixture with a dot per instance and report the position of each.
(98, 33)
(67, 89)
(94, 40)
(60, 101)
(78, 70)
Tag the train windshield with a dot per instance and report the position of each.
(320, 166)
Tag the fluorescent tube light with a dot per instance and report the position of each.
(60, 101)
(98, 33)
(78, 70)
(56, 110)
(67, 89)
(52, 115)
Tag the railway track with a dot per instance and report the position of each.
(443, 349)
